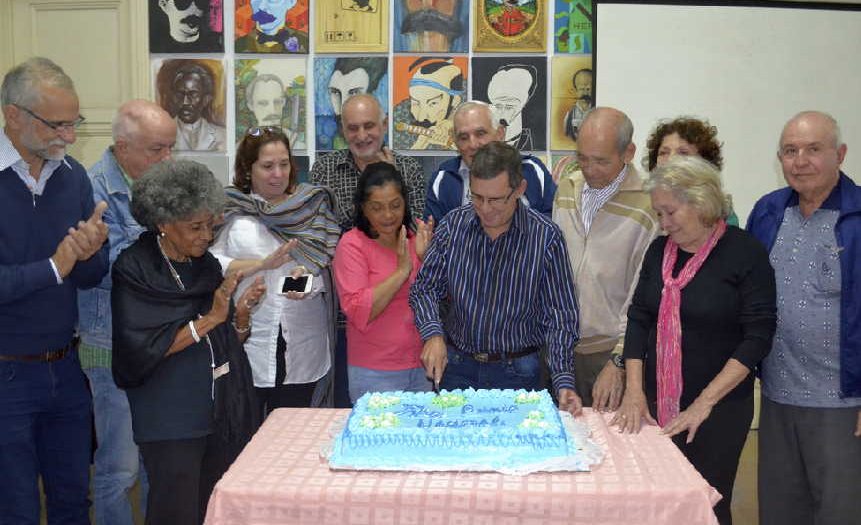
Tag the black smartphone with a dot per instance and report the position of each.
(301, 284)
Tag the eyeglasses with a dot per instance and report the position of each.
(255, 131)
(56, 126)
(813, 150)
(493, 202)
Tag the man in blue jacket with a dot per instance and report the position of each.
(53, 243)
(810, 425)
(474, 126)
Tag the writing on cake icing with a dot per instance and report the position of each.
(496, 421)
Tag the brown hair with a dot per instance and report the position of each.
(698, 133)
(248, 152)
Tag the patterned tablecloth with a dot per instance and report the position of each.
(281, 477)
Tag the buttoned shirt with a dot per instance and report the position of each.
(506, 294)
(337, 170)
(594, 198)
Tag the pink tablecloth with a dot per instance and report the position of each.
(280, 478)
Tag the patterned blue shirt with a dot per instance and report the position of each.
(506, 294)
(803, 367)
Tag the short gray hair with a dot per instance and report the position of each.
(695, 181)
(364, 97)
(470, 104)
(835, 128)
(174, 190)
(623, 124)
(21, 85)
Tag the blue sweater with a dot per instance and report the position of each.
(36, 314)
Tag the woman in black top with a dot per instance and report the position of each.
(702, 317)
(176, 342)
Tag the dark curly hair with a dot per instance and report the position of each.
(698, 133)
(248, 152)
(377, 175)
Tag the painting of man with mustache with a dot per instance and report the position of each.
(435, 26)
(271, 26)
(186, 26)
(270, 92)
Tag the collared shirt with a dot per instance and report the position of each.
(506, 294)
(803, 367)
(337, 171)
(595, 198)
(10, 157)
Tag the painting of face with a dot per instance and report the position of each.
(186, 26)
(437, 26)
(510, 25)
(270, 14)
(343, 86)
(271, 26)
(267, 103)
(189, 97)
(271, 92)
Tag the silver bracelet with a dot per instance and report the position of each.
(194, 334)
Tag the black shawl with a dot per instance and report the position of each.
(149, 309)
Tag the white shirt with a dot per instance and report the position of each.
(594, 199)
(303, 322)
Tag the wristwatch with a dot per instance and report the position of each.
(618, 360)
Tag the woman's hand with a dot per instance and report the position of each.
(279, 257)
(424, 236)
(405, 262)
(221, 298)
(250, 298)
(295, 273)
(689, 419)
(632, 411)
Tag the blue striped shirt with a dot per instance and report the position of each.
(506, 294)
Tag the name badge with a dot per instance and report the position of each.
(221, 370)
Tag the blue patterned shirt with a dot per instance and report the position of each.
(506, 294)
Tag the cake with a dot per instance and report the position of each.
(459, 429)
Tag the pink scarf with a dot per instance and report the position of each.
(669, 344)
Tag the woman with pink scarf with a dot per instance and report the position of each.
(702, 317)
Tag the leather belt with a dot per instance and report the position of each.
(484, 357)
(43, 357)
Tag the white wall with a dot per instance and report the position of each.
(746, 69)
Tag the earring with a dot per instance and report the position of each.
(161, 234)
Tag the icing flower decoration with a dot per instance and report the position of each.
(526, 398)
(449, 400)
(385, 420)
(535, 419)
(379, 401)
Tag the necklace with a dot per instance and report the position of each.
(173, 271)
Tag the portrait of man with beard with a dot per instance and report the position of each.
(271, 26)
(431, 26)
(270, 92)
(186, 26)
(336, 80)
(582, 83)
(187, 89)
(435, 86)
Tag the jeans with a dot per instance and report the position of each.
(463, 371)
(45, 411)
(364, 380)
(117, 466)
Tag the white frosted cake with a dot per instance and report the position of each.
(461, 429)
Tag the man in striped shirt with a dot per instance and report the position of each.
(504, 269)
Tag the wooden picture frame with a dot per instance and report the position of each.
(351, 26)
(503, 27)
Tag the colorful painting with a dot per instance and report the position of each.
(186, 26)
(510, 25)
(431, 26)
(192, 91)
(351, 26)
(427, 90)
(335, 80)
(564, 166)
(573, 94)
(572, 27)
(516, 89)
(271, 26)
(271, 92)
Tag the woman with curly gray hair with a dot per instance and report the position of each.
(176, 342)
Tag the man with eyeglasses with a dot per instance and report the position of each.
(810, 424)
(143, 134)
(475, 125)
(53, 241)
(608, 223)
(504, 268)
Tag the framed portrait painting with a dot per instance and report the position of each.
(572, 26)
(573, 95)
(271, 92)
(186, 26)
(423, 26)
(351, 26)
(263, 26)
(510, 25)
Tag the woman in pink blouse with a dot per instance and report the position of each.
(375, 264)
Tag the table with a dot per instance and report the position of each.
(281, 477)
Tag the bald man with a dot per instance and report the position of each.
(608, 223)
(143, 134)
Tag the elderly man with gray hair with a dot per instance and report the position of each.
(53, 242)
(476, 124)
(810, 426)
(143, 134)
